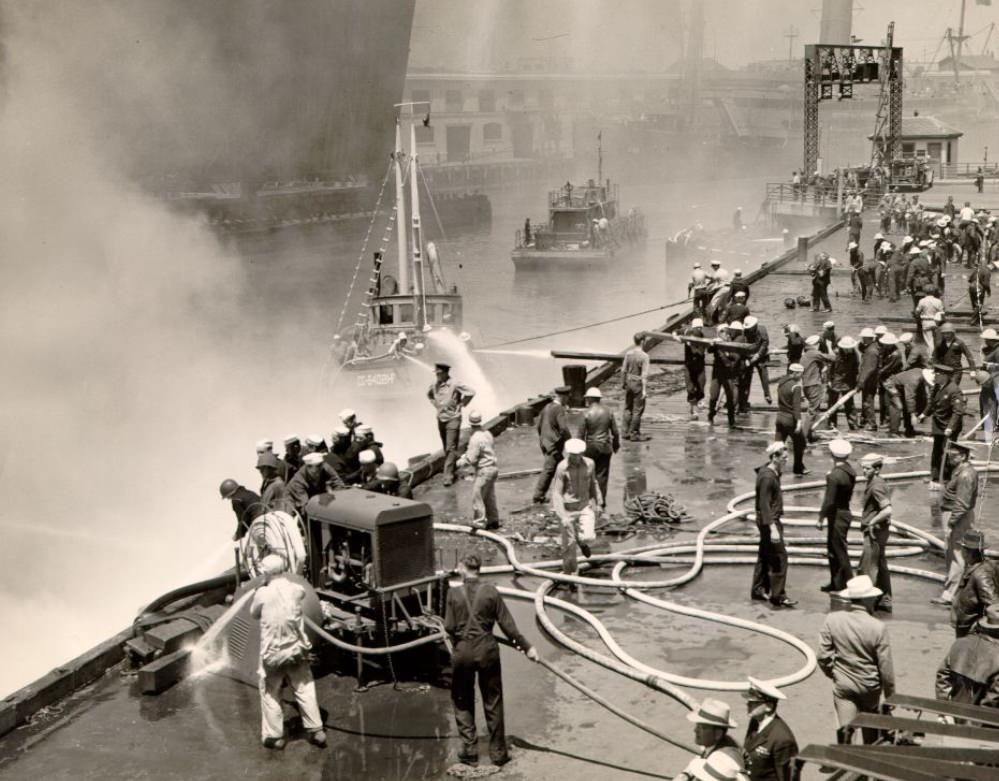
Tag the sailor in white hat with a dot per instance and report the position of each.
(855, 653)
(603, 440)
(770, 572)
(844, 375)
(314, 443)
(790, 423)
(293, 453)
(576, 498)
(835, 510)
(267, 446)
(349, 419)
(770, 747)
(814, 362)
(756, 335)
(988, 376)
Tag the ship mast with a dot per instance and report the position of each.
(418, 297)
(400, 213)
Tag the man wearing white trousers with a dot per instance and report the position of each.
(575, 499)
(284, 655)
(481, 456)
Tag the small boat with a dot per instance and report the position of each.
(585, 227)
(407, 322)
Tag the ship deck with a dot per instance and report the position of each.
(207, 727)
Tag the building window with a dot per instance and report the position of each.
(405, 314)
(908, 148)
(487, 100)
(424, 134)
(492, 131)
(420, 96)
(385, 314)
(453, 101)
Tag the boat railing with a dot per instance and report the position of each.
(580, 197)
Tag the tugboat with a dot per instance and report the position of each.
(584, 227)
(407, 323)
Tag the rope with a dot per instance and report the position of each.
(588, 325)
(655, 508)
(364, 246)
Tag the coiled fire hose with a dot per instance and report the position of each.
(655, 508)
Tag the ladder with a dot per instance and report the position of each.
(881, 131)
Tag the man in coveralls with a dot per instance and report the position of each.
(875, 523)
(789, 422)
(635, 381)
(770, 572)
(473, 608)
(840, 481)
(770, 748)
(449, 397)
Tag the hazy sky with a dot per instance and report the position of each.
(646, 34)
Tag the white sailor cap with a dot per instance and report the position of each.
(312, 459)
(881, 330)
(735, 325)
(593, 393)
(846, 343)
(905, 337)
(929, 376)
(341, 431)
(367, 457)
(812, 340)
(829, 324)
(796, 367)
(697, 323)
(852, 245)
(291, 438)
(264, 445)
(879, 235)
(840, 448)
(888, 340)
(915, 251)
(739, 294)
(867, 333)
(761, 690)
(750, 322)
(872, 459)
(346, 414)
(364, 428)
(990, 334)
(775, 447)
(574, 447)
(314, 440)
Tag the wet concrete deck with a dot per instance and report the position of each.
(208, 726)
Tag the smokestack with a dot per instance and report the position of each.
(837, 22)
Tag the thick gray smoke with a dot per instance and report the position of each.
(132, 367)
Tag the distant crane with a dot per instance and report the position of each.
(791, 33)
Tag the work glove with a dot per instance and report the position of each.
(532, 654)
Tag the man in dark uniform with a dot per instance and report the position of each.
(740, 284)
(387, 482)
(770, 572)
(737, 311)
(867, 378)
(600, 433)
(724, 376)
(948, 349)
(835, 510)
(821, 271)
(978, 588)
(843, 378)
(273, 492)
(795, 343)
(343, 456)
(292, 454)
(756, 335)
(789, 422)
(889, 364)
(553, 433)
(448, 397)
(875, 524)
(970, 671)
(267, 446)
(770, 748)
(473, 608)
(245, 504)
(946, 410)
(694, 365)
(828, 339)
(979, 288)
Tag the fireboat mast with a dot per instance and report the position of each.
(417, 242)
(400, 213)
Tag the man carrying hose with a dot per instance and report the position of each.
(770, 572)
(472, 610)
(575, 499)
(875, 523)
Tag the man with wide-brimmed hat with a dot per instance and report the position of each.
(978, 588)
(712, 720)
(840, 481)
(875, 523)
(770, 748)
(770, 572)
(970, 671)
(717, 767)
(957, 514)
(855, 653)
(946, 411)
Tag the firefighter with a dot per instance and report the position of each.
(789, 422)
(770, 572)
(245, 504)
(756, 335)
(840, 481)
(388, 482)
(473, 608)
(946, 410)
(480, 455)
(576, 499)
(600, 433)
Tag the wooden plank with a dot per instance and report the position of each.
(946, 707)
(878, 721)
(842, 758)
(980, 756)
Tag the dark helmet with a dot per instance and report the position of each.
(790, 303)
(387, 471)
(803, 301)
(228, 488)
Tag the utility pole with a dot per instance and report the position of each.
(791, 33)
(960, 44)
